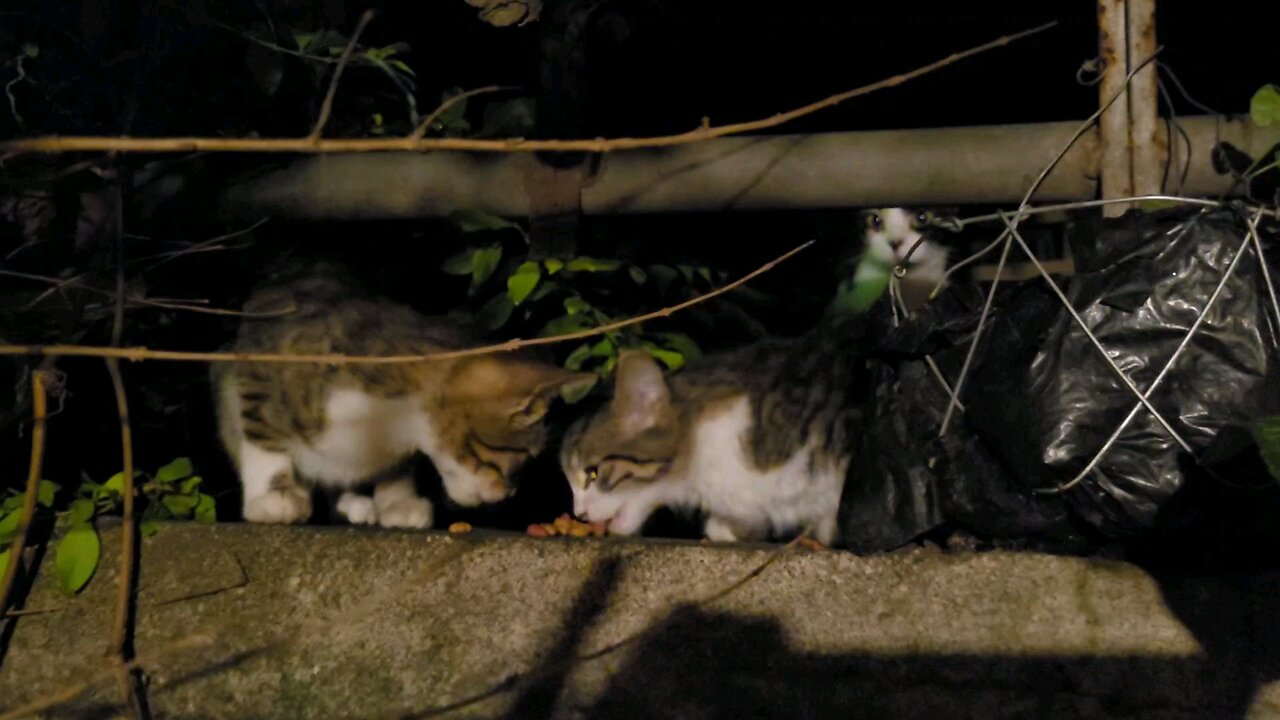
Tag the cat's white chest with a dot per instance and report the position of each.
(364, 434)
(785, 497)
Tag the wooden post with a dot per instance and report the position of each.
(1144, 118)
(1113, 125)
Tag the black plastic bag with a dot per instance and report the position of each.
(1041, 401)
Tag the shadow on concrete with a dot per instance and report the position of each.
(706, 665)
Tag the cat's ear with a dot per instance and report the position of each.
(551, 381)
(640, 395)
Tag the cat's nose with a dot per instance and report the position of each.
(895, 244)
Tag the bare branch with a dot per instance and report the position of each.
(38, 401)
(313, 145)
(327, 106)
(426, 124)
(142, 353)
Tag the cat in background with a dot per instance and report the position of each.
(758, 438)
(889, 234)
(290, 426)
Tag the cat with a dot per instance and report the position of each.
(290, 426)
(888, 234)
(758, 438)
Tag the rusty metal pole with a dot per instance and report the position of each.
(1113, 125)
(1148, 144)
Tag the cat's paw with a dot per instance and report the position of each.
(292, 505)
(357, 509)
(719, 530)
(409, 512)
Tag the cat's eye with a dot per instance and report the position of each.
(530, 414)
(592, 474)
(923, 217)
(874, 221)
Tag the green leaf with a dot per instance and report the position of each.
(523, 281)
(687, 272)
(46, 491)
(13, 502)
(206, 509)
(80, 512)
(1264, 108)
(485, 262)
(604, 348)
(9, 526)
(575, 391)
(682, 344)
(474, 221)
(4, 561)
(149, 527)
(77, 557)
(401, 66)
(705, 272)
(180, 505)
(190, 484)
(575, 305)
(672, 359)
(454, 112)
(115, 483)
(553, 265)
(663, 276)
(495, 313)
(508, 118)
(579, 355)
(637, 274)
(565, 324)
(544, 289)
(176, 470)
(459, 263)
(588, 264)
(1266, 432)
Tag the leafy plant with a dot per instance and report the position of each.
(558, 296)
(1266, 432)
(1264, 107)
(172, 493)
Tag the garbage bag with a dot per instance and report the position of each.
(1040, 400)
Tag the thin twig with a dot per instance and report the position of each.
(327, 106)
(311, 145)
(119, 647)
(38, 402)
(142, 353)
(198, 247)
(426, 124)
(167, 304)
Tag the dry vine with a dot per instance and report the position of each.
(508, 346)
(412, 143)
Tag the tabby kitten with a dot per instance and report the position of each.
(289, 426)
(888, 234)
(758, 438)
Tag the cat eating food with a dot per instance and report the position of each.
(290, 426)
(758, 438)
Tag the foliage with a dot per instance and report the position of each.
(1264, 108)
(558, 296)
(1266, 432)
(172, 493)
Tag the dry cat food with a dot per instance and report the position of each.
(460, 527)
(566, 525)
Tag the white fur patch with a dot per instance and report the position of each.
(895, 237)
(748, 503)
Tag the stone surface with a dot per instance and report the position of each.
(365, 623)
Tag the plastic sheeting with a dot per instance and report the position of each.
(1040, 400)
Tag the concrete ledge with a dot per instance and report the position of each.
(360, 623)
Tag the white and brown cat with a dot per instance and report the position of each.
(346, 428)
(758, 438)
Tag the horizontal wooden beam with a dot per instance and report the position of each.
(963, 165)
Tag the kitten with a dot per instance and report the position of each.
(888, 234)
(288, 426)
(758, 438)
